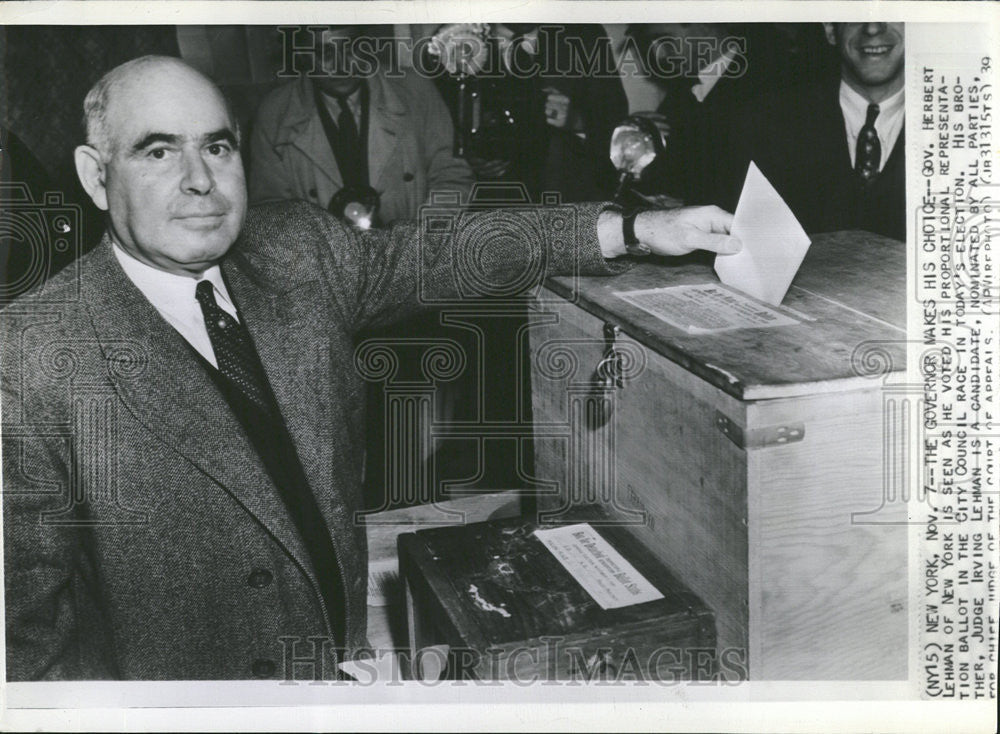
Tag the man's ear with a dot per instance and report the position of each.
(91, 170)
(831, 33)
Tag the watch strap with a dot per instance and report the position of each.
(632, 244)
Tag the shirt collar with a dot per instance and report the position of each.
(169, 291)
(333, 103)
(890, 105)
(855, 107)
(710, 75)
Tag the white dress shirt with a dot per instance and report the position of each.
(888, 124)
(334, 108)
(173, 297)
(710, 75)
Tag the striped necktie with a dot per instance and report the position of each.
(234, 351)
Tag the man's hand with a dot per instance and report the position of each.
(557, 107)
(488, 170)
(671, 232)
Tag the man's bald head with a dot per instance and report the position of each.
(163, 161)
(144, 70)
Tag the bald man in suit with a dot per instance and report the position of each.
(181, 423)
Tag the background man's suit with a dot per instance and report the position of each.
(698, 166)
(193, 569)
(409, 155)
(798, 141)
(409, 147)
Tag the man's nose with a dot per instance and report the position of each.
(197, 176)
(874, 29)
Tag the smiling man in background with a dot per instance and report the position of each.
(835, 149)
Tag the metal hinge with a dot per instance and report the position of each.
(759, 437)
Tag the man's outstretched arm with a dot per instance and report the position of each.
(449, 255)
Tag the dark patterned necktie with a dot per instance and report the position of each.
(868, 154)
(234, 350)
(350, 142)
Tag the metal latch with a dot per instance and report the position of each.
(759, 437)
(609, 372)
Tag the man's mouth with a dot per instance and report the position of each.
(210, 220)
(202, 216)
(875, 51)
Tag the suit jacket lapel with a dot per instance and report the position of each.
(280, 316)
(172, 395)
(387, 119)
(304, 131)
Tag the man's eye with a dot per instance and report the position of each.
(219, 149)
(158, 153)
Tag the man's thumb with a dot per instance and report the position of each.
(722, 244)
(730, 246)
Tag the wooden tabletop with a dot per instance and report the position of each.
(848, 299)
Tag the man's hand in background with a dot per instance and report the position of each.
(488, 170)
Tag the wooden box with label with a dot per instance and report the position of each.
(514, 600)
(765, 466)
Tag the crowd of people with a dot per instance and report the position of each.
(794, 100)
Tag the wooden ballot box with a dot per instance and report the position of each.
(766, 465)
(581, 600)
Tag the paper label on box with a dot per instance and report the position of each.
(382, 577)
(602, 571)
(705, 309)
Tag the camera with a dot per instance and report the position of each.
(35, 237)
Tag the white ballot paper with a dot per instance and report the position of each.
(774, 242)
(602, 571)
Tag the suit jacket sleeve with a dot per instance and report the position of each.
(449, 256)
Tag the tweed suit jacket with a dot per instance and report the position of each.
(143, 538)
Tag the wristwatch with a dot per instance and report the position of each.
(632, 244)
